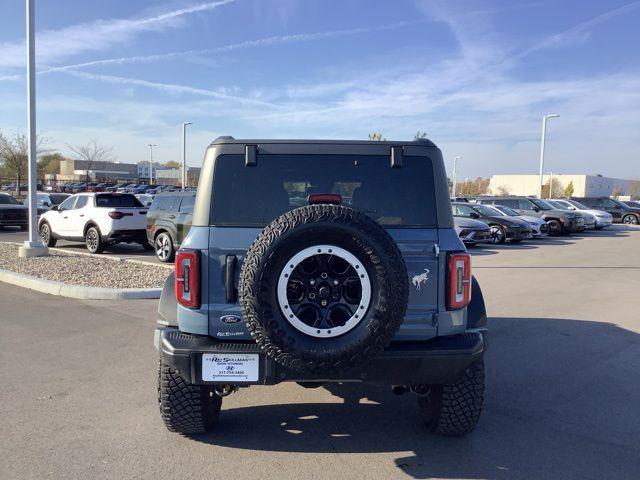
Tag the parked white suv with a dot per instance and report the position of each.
(98, 219)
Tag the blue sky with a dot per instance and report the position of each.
(476, 76)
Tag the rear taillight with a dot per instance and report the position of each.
(187, 278)
(458, 281)
(118, 215)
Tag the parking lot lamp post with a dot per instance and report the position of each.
(542, 142)
(151, 145)
(455, 176)
(184, 153)
(32, 247)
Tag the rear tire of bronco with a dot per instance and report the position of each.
(323, 289)
(186, 408)
(453, 410)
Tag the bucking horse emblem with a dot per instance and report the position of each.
(419, 280)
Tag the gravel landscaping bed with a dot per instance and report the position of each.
(85, 270)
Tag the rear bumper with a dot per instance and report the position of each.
(437, 361)
(118, 236)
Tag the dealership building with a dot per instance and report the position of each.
(83, 170)
(583, 185)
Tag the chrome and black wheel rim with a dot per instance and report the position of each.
(497, 234)
(324, 291)
(630, 220)
(45, 234)
(92, 240)
(163, 247)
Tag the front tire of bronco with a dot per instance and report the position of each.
(453, 410)
(186, 408)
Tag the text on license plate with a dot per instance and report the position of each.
(232, 367)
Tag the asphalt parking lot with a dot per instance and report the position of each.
(563, 388)
(124, 250)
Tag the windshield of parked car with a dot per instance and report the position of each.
(578, 205)
(506, 210)
(115, 200)
(254, 196)
(633, 204)
(8, 200)
(486, 211)
(541, 204)
(619, 203)
(558, 205)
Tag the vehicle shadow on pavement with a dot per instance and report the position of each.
(561, 402)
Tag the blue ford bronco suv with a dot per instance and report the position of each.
(316, 262)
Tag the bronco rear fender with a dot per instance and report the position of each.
(476, 311)
(168, 307)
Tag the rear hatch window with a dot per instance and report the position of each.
(254, 196)
(115, 200)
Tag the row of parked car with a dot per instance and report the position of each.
(495, 220)
(101, 219)
(160, 222)
(135, 188)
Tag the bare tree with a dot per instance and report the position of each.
(14, 155)
(503, 190)
(377, 137)
(552, 189)
(92, 153)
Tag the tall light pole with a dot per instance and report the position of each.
(151, 145)
(184, 153)
(455, 175)
(34, 246)
(542, 142)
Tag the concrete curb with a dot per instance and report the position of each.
(76, 291)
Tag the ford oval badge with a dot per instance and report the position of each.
(230, 319)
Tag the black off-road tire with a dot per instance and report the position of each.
(454, 410)
(313, 225)
(186, 408)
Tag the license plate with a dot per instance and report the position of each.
(232, 367)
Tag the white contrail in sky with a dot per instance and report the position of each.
(261, 42)
(95, 36)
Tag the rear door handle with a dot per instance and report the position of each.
(82, 215)
(172, 216)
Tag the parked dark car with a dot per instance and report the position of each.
(620, 211)
(471, 231)
(46, 201)
(632, 203)
(559, 221)
(169, 221)
(502, 228)
(140, 189)
(12, 214)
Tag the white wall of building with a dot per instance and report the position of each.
(583, 185)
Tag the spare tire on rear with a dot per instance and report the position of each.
(323, 289)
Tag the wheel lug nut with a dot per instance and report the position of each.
(312, 296)
(323, 275)
(324, 303)
(335, 282)
(312, 282)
